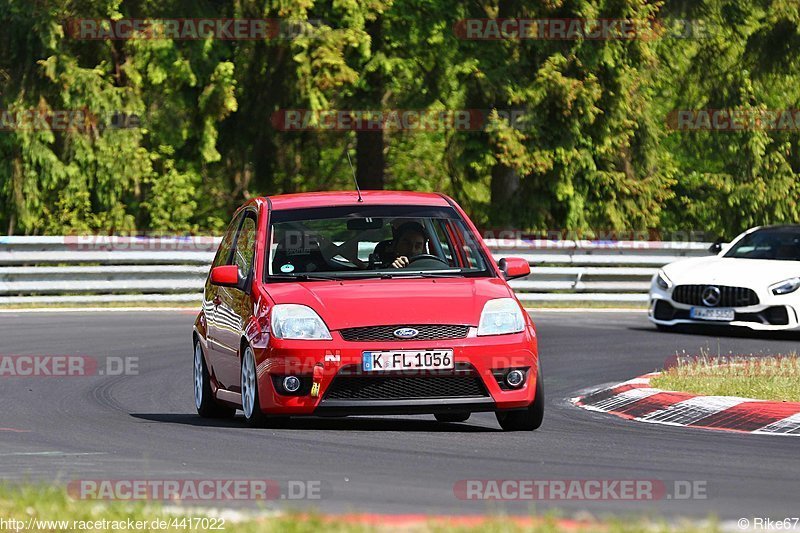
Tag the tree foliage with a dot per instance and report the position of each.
(575, 135)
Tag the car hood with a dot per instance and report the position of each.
(756, 274)
(373, 302)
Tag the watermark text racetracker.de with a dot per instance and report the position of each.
(592, 238)
(195, 489)
(334, 361)
(411, 120)
(723, 365)
(190, 29)
(144, 242)
(65, 120)
(580, 29)
(580, 489)
(190, 523)
(733, 120)
(35, 366)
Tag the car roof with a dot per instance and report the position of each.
(777, 227)
(342, 198)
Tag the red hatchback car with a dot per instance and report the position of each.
(340, 303)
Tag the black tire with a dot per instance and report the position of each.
(249, 383)
(455, 416)
(207, 406)
(253, 414)
(525, 419)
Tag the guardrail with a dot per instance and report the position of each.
(80, 270)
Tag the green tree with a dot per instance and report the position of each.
(744, 61)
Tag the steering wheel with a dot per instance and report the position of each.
(428, 257)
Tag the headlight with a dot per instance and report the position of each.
(663, 281)
(293, 321)
(785, 287)
(501, 316)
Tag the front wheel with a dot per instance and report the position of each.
(251, 406)
(204, 401)
(250, 402)
(527, 419)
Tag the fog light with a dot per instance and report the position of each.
(515, 378)
(291, 383)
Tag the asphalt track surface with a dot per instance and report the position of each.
(144, 426)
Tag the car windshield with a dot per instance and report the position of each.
(781, 244)
(372, 241)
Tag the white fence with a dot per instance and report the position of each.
(78, 270)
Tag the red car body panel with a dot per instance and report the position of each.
(331, 198)
(357, 303)
(373, 302)
(294, 357)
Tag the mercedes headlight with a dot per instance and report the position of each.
(294, 321)
(785, 287)
(501, 316)
(663, 281)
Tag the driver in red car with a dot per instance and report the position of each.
(410, 240)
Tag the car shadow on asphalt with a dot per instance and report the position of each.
(323, 424)
(721, 331)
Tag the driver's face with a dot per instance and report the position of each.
(410, 244)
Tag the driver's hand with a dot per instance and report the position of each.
(400, 262)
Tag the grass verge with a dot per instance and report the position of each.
(35, 508)
(774, 378)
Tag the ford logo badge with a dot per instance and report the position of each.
(405, 333)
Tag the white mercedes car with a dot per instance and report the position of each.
(752, 282)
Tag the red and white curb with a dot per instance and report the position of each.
(637, 400)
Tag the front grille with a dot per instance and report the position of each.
(405, 387)
(729, 296)
(776, 315)
(427, 332)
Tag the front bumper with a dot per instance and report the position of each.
(763, 317)
(403, 407)
(471, 386)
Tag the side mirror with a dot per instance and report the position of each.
(225, 276)
(716, 248)
(514, 267)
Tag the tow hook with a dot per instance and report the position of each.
(318, 371)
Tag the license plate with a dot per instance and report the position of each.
(722, 314)
(407, 360)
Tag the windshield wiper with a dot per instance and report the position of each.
(301, 277)
(400, 274)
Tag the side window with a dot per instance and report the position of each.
(246, 245)
(224, 250)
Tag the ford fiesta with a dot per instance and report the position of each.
(754, 282)
(340, 303)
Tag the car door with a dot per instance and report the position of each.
(213, 298)
(234, 307)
